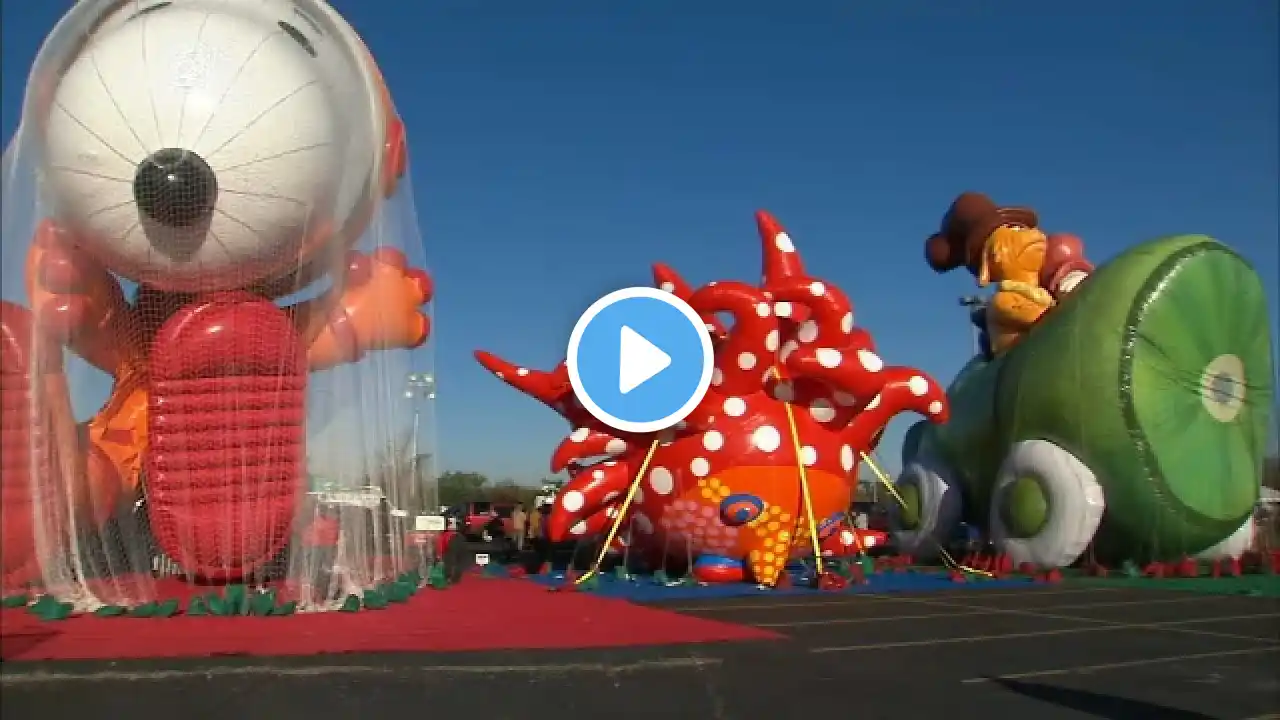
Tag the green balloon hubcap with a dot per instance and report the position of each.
(1024, 508)
(910, 511)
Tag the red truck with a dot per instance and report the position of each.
(474, 517)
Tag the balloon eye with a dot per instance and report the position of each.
(740, 509)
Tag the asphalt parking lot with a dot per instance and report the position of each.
(1051, 652)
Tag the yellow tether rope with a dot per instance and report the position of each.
(804, 482)
(622, 513)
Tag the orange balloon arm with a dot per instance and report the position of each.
(379, 307)
(78, 303)
(118, 437)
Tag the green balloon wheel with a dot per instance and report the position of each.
(909, 513)
(1024, 508)
(1197, 368)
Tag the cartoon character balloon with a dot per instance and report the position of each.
(203, 173)
(1119, 417)
(797, 388)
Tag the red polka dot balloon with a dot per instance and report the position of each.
(797, 389)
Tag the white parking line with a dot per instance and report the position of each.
(1120, 665)
(977, 612)
(1111, 623)
(1038, 633)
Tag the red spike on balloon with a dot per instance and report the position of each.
(552, 388)
(779, 257)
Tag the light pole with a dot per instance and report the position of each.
(971, 303)
(419, 387)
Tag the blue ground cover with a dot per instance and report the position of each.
(646, 589)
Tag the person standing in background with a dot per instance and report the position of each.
(518, 526)
(534, 526)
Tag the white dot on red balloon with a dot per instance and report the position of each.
(822, 410)
(782, 309)
(828, 357)
(844, 399)
(700, 467)
(771, 341)
(918, 385)
(870, 361)
(808, 331)
(766, 438)
(789, 347)
(579, 435)
(667, 287)
(734, 407)
(579, 529)
(717, 376)
(746, 360)
(615, 447)
(763, 309)
(572, 501)
(875, 403)
(935, 407)
(846, 457)
(817, 289)
(784, 392)
(661, 481)
(808, 455)
(782, 241)
(712, 440)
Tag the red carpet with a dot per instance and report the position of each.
(478, 614)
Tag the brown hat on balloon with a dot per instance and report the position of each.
(965, 228)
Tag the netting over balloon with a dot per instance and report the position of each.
(213, 333)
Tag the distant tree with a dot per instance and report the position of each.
(459, 487)
(1271, 472)
(509, 491)
(504, 491)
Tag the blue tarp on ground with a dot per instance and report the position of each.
(644, 589)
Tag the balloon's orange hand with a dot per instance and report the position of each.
(380, 308)
(77, 302)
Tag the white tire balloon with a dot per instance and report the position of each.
(1233, 546)
(934, 508)
(1046, 505)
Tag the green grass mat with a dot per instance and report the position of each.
(1259, 585)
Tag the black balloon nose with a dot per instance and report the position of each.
(175, 188)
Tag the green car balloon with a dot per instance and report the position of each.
(1129, 424)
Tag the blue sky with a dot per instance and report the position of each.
(560, 148)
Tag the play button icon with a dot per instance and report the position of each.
(639, 359)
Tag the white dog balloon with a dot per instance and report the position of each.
(203, 144)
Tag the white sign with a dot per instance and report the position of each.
(429, 523)
(482, 559)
